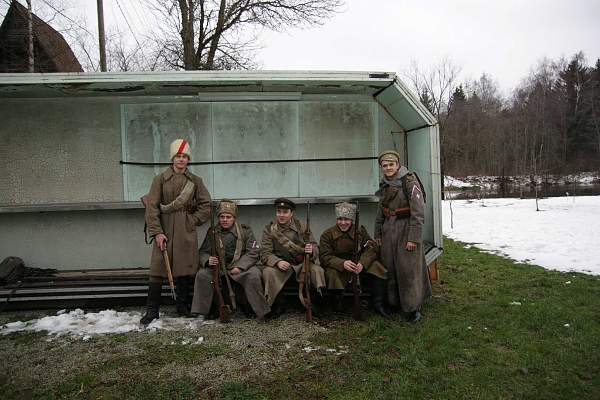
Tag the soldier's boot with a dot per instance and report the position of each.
(182, 291)
(378, 295)
(316, 304)
(415, 316)
(153, 303)
(337, 300)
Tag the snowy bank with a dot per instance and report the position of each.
(563, 235)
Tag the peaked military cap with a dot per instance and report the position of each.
(282, 202)
(389, 155)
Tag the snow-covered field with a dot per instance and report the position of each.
(564, 235)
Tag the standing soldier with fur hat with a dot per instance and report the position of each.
(240, 254)
(178, 202)
(398, 227)
(282, 253)
(337, 252)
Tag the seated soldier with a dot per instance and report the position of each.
(282, 253)
(338, 257)
(240, 254)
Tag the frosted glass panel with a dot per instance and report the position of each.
(336, 129)
(149, 130)
(255, 130)
(240, 181)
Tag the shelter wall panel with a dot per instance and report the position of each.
(149, 129)
(391, 135)
(336, 130)
(255, 130)
(57, 151)
(240, 181)
(419, 160)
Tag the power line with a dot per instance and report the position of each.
(133, 33)
(68, 18)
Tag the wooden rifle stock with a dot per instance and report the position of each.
(356, 311)
(305, 273)
(224, 310)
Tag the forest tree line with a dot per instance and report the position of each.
(550, 124)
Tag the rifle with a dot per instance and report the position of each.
(145, 199)
(169, 274)
(356, 312)
(224, 270)
(304, 287)
(224, 309)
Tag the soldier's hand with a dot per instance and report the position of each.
(378, 241)
(213, 261)
(308, 248)
(161, 241)
(235, 271)
(359, 268)
(410, 246)
(283, 265)
(349, 266)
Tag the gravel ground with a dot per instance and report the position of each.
(242, 350)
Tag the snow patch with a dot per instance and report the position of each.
(83, 325)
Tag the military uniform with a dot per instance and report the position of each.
(336, 247)
(285, 243)
(177, 203)
(240, 250)
(400, 218)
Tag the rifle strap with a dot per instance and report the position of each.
(286, 242)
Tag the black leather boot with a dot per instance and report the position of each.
(378, 295)
(153, 303)
(337, 300)
(182, 291)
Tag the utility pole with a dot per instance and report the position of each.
(30, 37)
(101, 35)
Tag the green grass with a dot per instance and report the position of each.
(472, 344)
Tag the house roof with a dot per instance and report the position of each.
(51, 51)
(385, 87)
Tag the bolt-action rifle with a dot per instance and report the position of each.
(356, 312)
(304, 287)
(224, 309)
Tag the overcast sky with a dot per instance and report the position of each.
(503, 38)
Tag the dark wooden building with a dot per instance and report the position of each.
(51, 51)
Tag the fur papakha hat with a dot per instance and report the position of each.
(345, 210)
(180, 146)
(389, 155)
(227, 206)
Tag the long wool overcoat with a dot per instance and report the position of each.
(408, 280)
(179, 226)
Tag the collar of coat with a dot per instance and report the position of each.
(293, 224)
(337, 232)
(169, 173)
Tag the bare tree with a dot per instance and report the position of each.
(435, 85)
(220, 34)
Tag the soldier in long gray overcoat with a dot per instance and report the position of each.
(178, 202)
(339, 247)
(282, 251)
(238, 248)
(398, 227)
